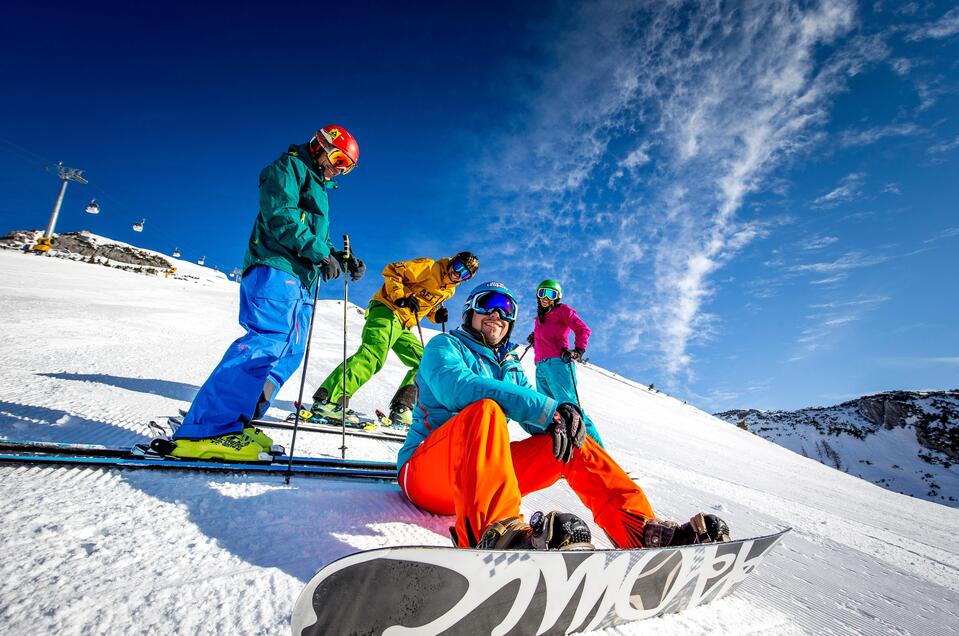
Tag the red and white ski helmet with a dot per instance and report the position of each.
(338, 137)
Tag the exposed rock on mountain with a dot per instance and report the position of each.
(84, 246)
(907, 441)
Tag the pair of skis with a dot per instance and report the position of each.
(314, 424)
(147, 456)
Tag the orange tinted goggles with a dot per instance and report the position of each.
(339, 159)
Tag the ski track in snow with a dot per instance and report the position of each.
(93, 354)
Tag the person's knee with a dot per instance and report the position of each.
(488, 409)
(262, 355)
(371, 356)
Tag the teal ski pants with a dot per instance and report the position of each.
(557, 379)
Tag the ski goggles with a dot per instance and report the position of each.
(341, 160)
(488, 302)
(547, 293)
(461, 270)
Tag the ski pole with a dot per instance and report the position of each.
(443, 324)
(306, 362)
(524, 352)
(420, 329)
(343, 400)
(572, 376)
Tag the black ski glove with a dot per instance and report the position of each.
(409, 302)
(531, 337)
(330, 267)
(575, 354)
(441, 315)
(353, 265)
(567, 430)
(357, 270)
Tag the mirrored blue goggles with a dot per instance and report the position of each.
(462, 270)
(547, 293)
(488, 302)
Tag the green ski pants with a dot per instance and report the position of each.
(381, 333)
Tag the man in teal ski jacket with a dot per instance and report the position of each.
(289, 249)
(459, 459)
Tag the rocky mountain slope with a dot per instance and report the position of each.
(99, 250)
(906, 441)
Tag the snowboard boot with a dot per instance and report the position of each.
(660, 533)
(551, 531)
(232, 447)
(401, 407)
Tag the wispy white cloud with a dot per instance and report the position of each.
(947, 233)
(826, 325)
(868, 136)
(635, 159)
(817, 242)
(920, 361)
(850, 260)
(944, 360)
(838, 278)
(891, 188)
(702, 101)
(944, 147)
(944, 27)
(856, 302)
(849, 188)
(908, 8)
(902, 66)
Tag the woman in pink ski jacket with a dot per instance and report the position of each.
(555, 371)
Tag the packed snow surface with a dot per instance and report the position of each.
(91, 354)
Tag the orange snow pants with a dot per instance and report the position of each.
(469, 467)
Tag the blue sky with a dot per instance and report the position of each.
(752, 204)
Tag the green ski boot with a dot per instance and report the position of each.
(333, 412)
(401, 416)
(401, 406)
(264, 440)
(232, 447)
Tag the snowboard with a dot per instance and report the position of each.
(432, 590)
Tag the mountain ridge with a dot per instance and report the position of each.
(906, 441)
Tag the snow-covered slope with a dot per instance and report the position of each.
(91, 353)
(906, 441)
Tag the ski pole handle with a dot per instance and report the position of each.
(346, 247)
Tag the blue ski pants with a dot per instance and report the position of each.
(275, 310)
(557, 379)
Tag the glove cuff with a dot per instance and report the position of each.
(573, 406)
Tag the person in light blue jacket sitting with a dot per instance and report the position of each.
(458, 458)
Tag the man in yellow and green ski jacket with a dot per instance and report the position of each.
(411, 290)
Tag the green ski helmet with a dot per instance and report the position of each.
(549, 284)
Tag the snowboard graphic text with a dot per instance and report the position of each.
(458, 591)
